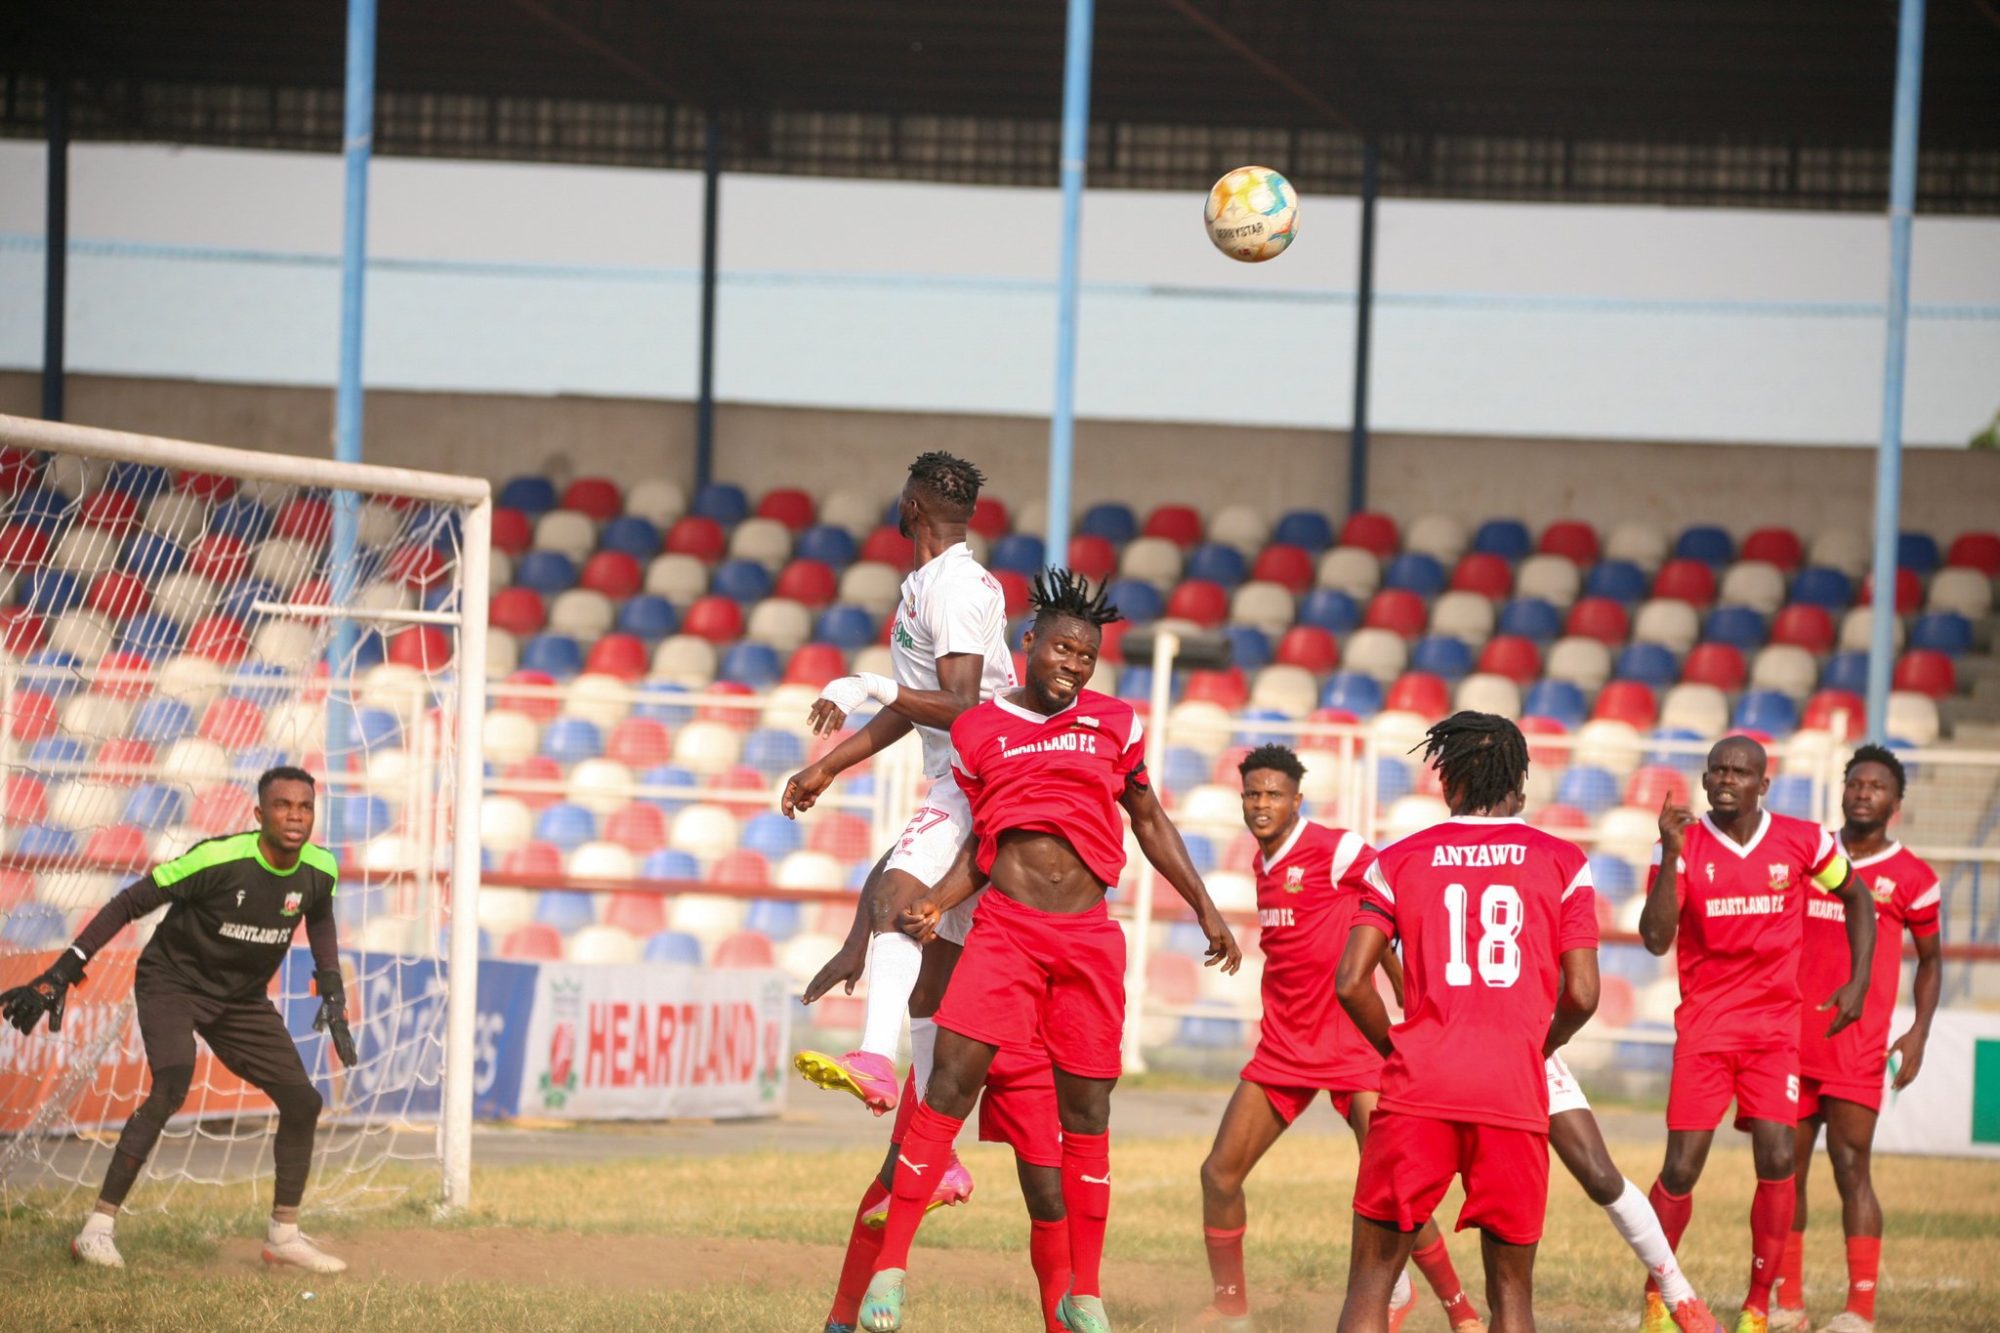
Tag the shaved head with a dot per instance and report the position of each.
(1741, 745)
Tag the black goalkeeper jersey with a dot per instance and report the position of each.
(230, 916)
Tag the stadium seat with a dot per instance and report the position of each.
(1484, 573)
(845, 627)
(1439, 536)
(1353, 692)
(1927, 672)
(1506, 538)
(546, 572)
(749, 663)
(1690, 581)
(1463, 615)
(1549, 578)
(1558, 700)
(1291, 567)
(684, 659)
(1582, 661)
(1805, 625)
(1267, 606)
(1512, 656)
(1766, 711)
(1977, 551)
(1483, 692)
(1786, 668)
(1530, 618)
(1638, 543)
(1442, 656)
(533, 942)
(1111, 521)
(761, 541)
(1707, 544)
(581, 613)
(699, 536)
(1650, 784)
(1841, 713)
(1422, 693)
(1019, 553)
(1627, 701)
(1961, 591)
(1754, 584)
(1670, 622)
(1351, 570)
(1944, 632)
(1599, 618)
(1608, 744)
(1857, 630)
(1331, 610)
(555, 655)
(1178, 524)
(1204, 603)
(1619, 580)
(1307, 528)
(1092, 556)
(1717, 664)
(1909, 592)
(1591, 790)
(1821, 585)
(1695, 707)
(1372, 532)
(1249, 646)
(1153, 560)
(1240, 526)
(1288, 690)
(1377, 652)
(1780, 547)
(1397, 610)
(1918, 553)
(1415, 572)
(744, 581)
(648, 617)
(613, 573)
(1847, 671)
(1310, 647)
(1913, 718)
(719, 619)
(530, 495)
(1214, 563)
(519, 611)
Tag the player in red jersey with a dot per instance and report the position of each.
(1498, 926)
(1308, 885)
(1733, 887)
(1045, 767)
(1841, 1077)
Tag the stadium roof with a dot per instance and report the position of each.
(1750, 102)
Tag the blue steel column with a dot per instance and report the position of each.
(1075, 148)
(55, 249)
(704, 404)
(1364, 324)
(1889, 457)
(358, 141)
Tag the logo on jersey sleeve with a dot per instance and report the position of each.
(1781, 876)
(1295, 879)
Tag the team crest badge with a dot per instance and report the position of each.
(1883, 889)
(1295, 879)
(292, 901)
(1781, 876)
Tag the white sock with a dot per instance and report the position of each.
(894, 960)
(1636, 1221)
(280, 1232)
(923, 1050)
(1402, 1295)
(97, 1222)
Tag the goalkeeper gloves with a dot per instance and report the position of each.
(23, 1006)
(332, 1016)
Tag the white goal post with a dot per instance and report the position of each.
(447, 523)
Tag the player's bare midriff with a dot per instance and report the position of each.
(1042, 871)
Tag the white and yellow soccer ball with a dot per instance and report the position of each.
(1252, 214)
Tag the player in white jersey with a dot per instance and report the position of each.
(949, 646)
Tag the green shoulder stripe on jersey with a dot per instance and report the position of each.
(212, 852)
(320, 859)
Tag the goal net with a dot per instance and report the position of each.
(176, 618)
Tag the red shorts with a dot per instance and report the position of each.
(1027, 973)
(1291, 1103)
(1861, 1091)
(1765, 1084)
(1017, 1107)
(1409, 1161)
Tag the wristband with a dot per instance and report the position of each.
(881, 689)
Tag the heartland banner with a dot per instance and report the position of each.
(651, 1042)
(1953, 1109)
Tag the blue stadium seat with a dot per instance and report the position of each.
(1559, 700)
(1136, 683)
(1507, 538)
(1114, 522)
(1201, 851)
(1825, 587)
(1590, 789)
(1613, 876)
(151, 634)
(247, 764)
(1917, 552)
(671, 863)
(1651, 664)
(1630, 961)
(558, 654)
(1767, 711)
(1682, 761)
(857, 875)
(547, 572)
(160, 720)
(1186, 937)
(1137, 601)
(743, 581)
(1942, 632)
(1416, 571)
(1442, 655)
(56, 674)
(1352, 692)
(141, 481)
(1620, 580)
(1251, 739)
(1738, 626)
(1531, 618)
(1182, 767)
(1217, 1030)
(565, 825)
(35, 926)
(833, 547)
(748, 662)
(1393, 779)
(50, 592)
(154, 806)
(1791, 794)
(650, 617)
(722, 501)
(635, 536)
(354, 818)
(1845, 671)
(567, 912)
(1018, 553)
(44, 840)
(673, 946)
(1306, 528)
(376, 729)
(1216, 563)
(777, 919)
(662, 701)
(533, 496)
(52, 754)
(242, 518)
(1329, 609)
(1709, 544)
(845, 626)
(772, 836)
(675, 778)
(150, 555)
(774, 753)
(246, 684)
(1249, 647)
(571, 740)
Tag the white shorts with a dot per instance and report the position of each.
(1565, 1093)
(928, 844)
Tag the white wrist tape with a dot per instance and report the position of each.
(847, 694)
(880, 688)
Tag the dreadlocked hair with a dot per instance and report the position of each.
(1060, 592)
(1481, 757)
(948, 479)
(1277, 758)
(1878, 754)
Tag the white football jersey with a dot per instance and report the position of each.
(951, 605)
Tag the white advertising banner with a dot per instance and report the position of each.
(652, 1042)
(1953, 1109)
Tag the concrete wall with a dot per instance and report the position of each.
(1739, 486)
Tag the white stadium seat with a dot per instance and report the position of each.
(707, 748)
(1628, 831)
(601, 786)
(96, 717)
(508, 736)
(177, 516)
(284, 561)
(599, 698)
(85, 805)
(1437, 535)
(1267, 606)
(1463, 615)
(299, 724)
(390, 685)
(602, 860)
(1755, 584)
(656, 500)
(185, 598)
(1380, 653)
(505, 823)
(1413, 814)
(1396, 732)
(1484, 692)
(286, 643)
(789, 708)
(764, 540)
(1032, 515)
(602, 944)
(1849, 550)
(567, 531)
(1581, 661)
(1201, 726)
(678, 578)
(802, 956)
(85, 635)
(1857, 629)
(1211, 803)
(193, 760)
(876, 658)
(873, 586)
(1786, 668)
(84, 550)
(703, 831)
(1966, 591)
(1352, 570)
(684, 659)
(1153, 560)
(1608, 744)
(810, 870)
(195, 680)
(503, 652)
(1671, 623)
(1641, 543)
(1694, 707)
(582, 613)
(856, 511)
(1554, 579)
(706, 916)
(500, 910)
(1290, 690)
(1241, 526)
(780, 622)
(1913, 717)
(378, 524)
(1232, 890)
(398, 935)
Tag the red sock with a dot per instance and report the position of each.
(1225, 1269)
(1673, 1210)
(863, 1244)
(1086, 1187)
(1792, 1272)
(1771, 1212)
(1048, 1251)
(1434, 1262)
(1864, 1258)
(926, 1150)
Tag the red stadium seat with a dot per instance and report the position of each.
(122, 675)
(1547, 756)
(1925, 671)
(537, 768)
(519, 611)
(746, 948)
(1909, 592)
(717, 619)
(791, 507)
(113, 511)
(117, 594)
(596, 496)
(1559, 818)
(1617, 1001)
(740, 778)
(533, 942)
(1372, 532)
(234, 724)
(1691, 581)
(1014, 591)
(417, 567)
(843, 836)
(425, 647)
(1774, 546)
(697, 535)
(219, 638)
(741, 869)
(542, 708)
(620, 655)
(640, 914)
(1717, 664)
(1205, 603)
(1627, 701)
(223, 808)
(201, 485)
(1399, 610)
(739, 719)
(1172, 978)
(638, 827)
(124, 760)
(1573, 539)
(1224, 771)
(639, 743)
(1976, 550)
(21, 630)
(815, 664)
(1804, 625)
(890, 547)
(219, 558)
(513, 531)
(1333, 717)
(536, 860)
(1290, 567)
(613, 573)
(122, 846)
(1092, 556)
(1653, 783)
(1179, 524)
(1310, 647)
(1484, 573)
(1111, 644)
(1512, 656)
(1842, 712)
(23, 546)
(1602, 618)
(16, 886)
(23, 800)
(1419, 692)
(1226, 687)
(808, 582)
(304, 518)
(990, 518)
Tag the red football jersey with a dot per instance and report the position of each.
(1306, 899)
(1906, 895)
(1485, 909)
(1742, 928)
(1061, 774)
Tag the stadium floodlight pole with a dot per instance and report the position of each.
(1075, 152)
(1889, 455)
(1364, 325)
(55, 250)
(711, 204)
(1166, 647)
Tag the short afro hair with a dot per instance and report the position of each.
(282, 773)
(951, 482)
(1060, 593)
(1277, 758)
(1883, 755)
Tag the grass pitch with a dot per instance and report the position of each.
(752, 1243)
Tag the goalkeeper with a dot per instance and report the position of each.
(233, 904)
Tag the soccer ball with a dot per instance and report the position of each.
(1252, 214)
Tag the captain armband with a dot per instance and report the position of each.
(1834, 875)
